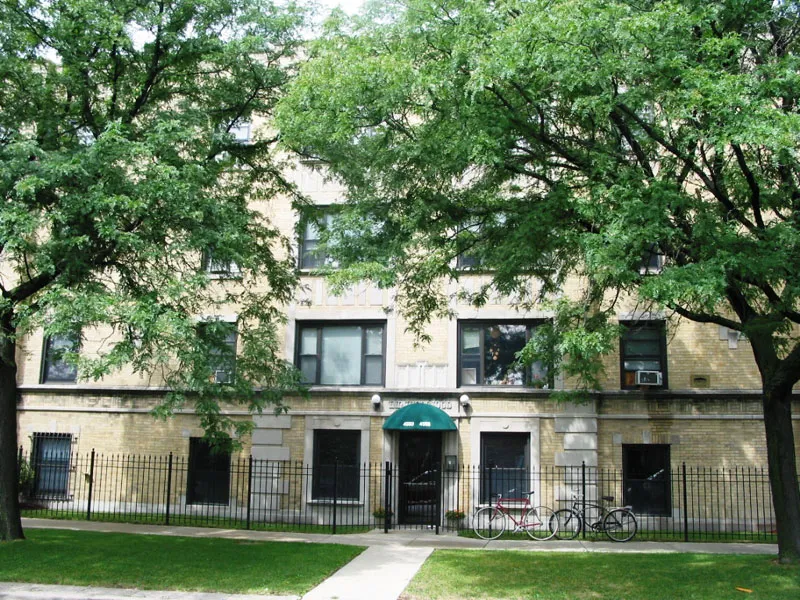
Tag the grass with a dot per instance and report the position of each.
(508, 575)
(656, 536)
(195, 521)
(170, 563)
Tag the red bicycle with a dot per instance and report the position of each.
(539, 522)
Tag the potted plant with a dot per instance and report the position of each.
(380, 513)
(26, 478)
(454, 516)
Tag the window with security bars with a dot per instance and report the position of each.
(505, 468)
(336, 464)
(646, 478)
(52, 453)
(208, 480)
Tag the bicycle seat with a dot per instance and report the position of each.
(608, 498)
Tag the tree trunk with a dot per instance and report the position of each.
(783, 470)
(10, 521)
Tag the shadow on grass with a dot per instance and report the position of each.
(170, 563)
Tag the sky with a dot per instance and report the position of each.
(349, 6)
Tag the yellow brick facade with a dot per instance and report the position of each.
(713, 424)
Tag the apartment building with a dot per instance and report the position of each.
(675, 391)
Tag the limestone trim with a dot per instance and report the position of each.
(501, 424)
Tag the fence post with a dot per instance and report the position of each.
(583, 499)
(437, 510)
(685, 506)
(387, 504)
(249, 487)
(169, 486)
(335, 493)
(91, 487)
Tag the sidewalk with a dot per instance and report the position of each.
(380, 573)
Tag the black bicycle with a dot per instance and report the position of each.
(618, 523)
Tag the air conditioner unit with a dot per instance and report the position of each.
(648, 377)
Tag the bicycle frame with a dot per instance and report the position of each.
(527, 508)
(580, 507)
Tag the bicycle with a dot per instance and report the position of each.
(490, 522)
(619, 523)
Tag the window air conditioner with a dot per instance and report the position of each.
(648, 377)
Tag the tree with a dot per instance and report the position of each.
(119, 169)
(556, 138)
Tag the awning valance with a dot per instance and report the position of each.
(420, 417)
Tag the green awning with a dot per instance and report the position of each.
(420, 417)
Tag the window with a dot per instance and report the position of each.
(312, 255)
(643, 350)
(341, 354)
(504, 464)
(652, 261)
(51, 460)
(221, 337)
(241, 131)
(487, 355)
(336, 459)
(57, 368)
(218, 268)
(646, 478)
(209, 475)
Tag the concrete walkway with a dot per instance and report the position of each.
(379, 573)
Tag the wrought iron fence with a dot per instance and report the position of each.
(685, 503)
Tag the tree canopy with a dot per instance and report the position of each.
(557, 138)
(121, 175)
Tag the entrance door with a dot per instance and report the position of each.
(420, 471)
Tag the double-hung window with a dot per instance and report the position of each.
(336, 464)
(468, 237)
(312, 255)
(341, 353)
(56, 367)
(241, 131)
(208, 477)
(218, 268)
(51, 463)
(221, 338)
(652, 260)
(488, 355)
(643, 355)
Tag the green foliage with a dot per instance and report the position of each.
(381, 512)
(26, 477)
(548, 140)
(119, 172)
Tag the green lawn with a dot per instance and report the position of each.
(506, 575)
(197, 521)
(170, 563)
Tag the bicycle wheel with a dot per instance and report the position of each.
(489, 523)
(620, 525)
(569, 524)
(539, 523)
